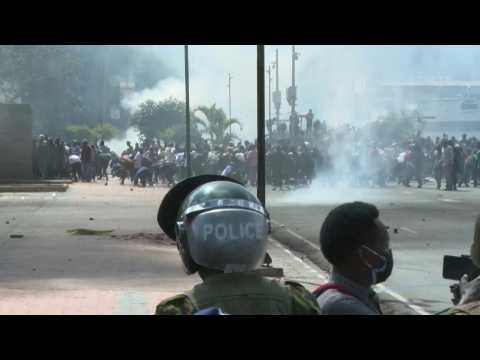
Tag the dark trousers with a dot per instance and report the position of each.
(76, 171)
(475, 175)
(438, 176)
(450, 177)
(277, 178)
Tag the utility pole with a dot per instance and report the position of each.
(261, 123)
(277, 96)
(187, 112)
(269, 124)
(230, 103)
(292, 95)
(104, 89)
(293, 79)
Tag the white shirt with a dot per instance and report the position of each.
(227, 171)
(73, 159)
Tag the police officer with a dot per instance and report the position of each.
(221, 233)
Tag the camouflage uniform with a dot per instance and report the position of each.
(243, 294)
(475, 248)
(472, 308)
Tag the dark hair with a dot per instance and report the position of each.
(345, 229)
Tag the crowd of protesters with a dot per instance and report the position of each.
(338, 156)
(80, 161)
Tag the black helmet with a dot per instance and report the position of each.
(217, 224)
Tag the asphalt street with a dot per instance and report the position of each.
(47, 270)
(429, 223)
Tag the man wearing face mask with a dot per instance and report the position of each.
(356, 243)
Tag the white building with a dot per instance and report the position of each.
(451, 106)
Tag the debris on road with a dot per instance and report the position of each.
(91, 219)
(89, 232)
(157, 238)
(395, 231)
(16, 236)
(7, 222)
(423, 219)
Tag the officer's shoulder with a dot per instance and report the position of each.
(296, 289)
(176, 305)
(304, 301)
(472, 308)
(296, 286)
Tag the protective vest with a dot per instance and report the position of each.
(472, 308)
(240, 294)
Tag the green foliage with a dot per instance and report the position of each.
(164, 120)
(106, 131)
(64, 82)
(80, 132)
(218, 125)
(393, 127)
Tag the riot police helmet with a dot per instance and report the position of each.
(217, 224)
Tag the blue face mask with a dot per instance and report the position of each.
(381, 273)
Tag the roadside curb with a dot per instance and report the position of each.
(5, 188)
(391, 304)
(288, 238)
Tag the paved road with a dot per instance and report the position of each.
(430, 224)
(49, 271)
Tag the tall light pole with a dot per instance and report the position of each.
(269, 124)
(277, 96)
(261, 123)
(292, 94)
(187, 115)
(230, 103)
(104, 89)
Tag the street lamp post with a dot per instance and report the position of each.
(187, 115)
(269, 125)
(230, 103)
(261, 123)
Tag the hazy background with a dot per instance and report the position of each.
(333, 81)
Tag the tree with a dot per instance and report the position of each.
(106, 131)
(93, 134)
(79, 133)
(73, 82)
(393, 127)
(165, 120)
(218, 125)
(43, 76)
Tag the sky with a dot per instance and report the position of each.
(331, 80)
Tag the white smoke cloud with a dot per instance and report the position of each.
(119, 144)
(334, 81)
(168, 88)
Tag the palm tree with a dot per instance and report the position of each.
(217, 125)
